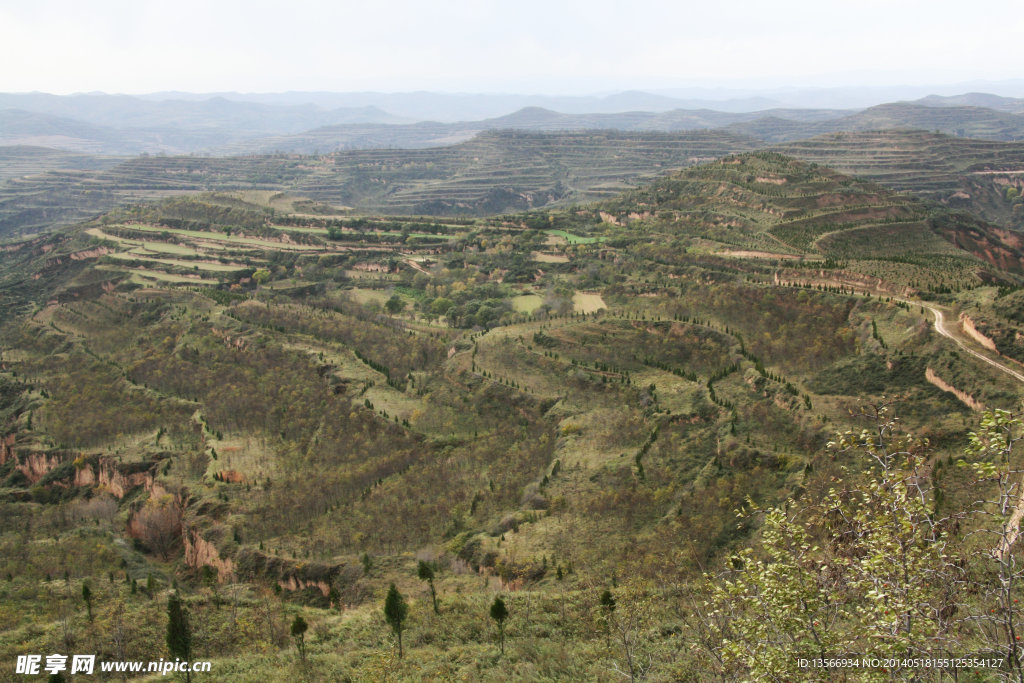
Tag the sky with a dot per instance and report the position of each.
(567, 47)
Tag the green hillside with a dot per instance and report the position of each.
(282, 410)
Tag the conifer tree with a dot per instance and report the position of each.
(395, 612)
(179, 635)
(87, 597)
(299, 628)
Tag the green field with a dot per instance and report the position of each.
(573, 239)
(527, 303)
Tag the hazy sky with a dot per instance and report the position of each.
(528, 46)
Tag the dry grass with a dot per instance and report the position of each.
(195, 265)
(541, 257)
(587, 303)
(527, 303)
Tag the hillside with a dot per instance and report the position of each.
(975, 175)
(1013, 105)
(533, 119)
(787, 209)
(121, 124)
(18, 162)
(496, 172)
(282, 410)
(769, 125)
(501, 171)
(962, 121)
(957, 120)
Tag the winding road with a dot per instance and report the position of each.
(940, 327)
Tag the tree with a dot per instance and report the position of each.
(499, 613)
(607, 612)
(426, 573)
(394, 305)
(877, 582)
(440, 305)
(179, 635)
(87, 598)
(395, 612)
(261, 276)
(299, 628)
(770, 611)
(158, 524)
(631, 619)
(997, 553)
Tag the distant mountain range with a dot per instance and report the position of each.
(309, 123)
(772, 126)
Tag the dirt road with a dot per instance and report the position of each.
(940, 327)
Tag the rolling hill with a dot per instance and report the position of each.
(281, 410)
(493, 173)
(962, 173)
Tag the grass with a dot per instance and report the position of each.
(541, 257)
(145, 276)
(227, 239)
(573, 239)
(527, 303)
(587, 303)
(367, 296)
(195, 265)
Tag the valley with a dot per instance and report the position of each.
(278, 384)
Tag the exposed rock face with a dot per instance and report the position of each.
(108, 477)
(37, 465)
(293, 583)
(201, 553)
(102, 473)
(6, 446)
(967, 325)
(964, 397)
(90, 253)
(288, 574)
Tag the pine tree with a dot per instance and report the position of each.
(87, 597)
(299, 628)
(395, 612)
(179, 636)
(607, 608)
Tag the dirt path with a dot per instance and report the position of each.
(415, 266)
(940, 327)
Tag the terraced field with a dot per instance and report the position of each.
(538, 428)
(506, 171)
(494, 173)
(769, 204)
(20, 161)
(960, 172)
